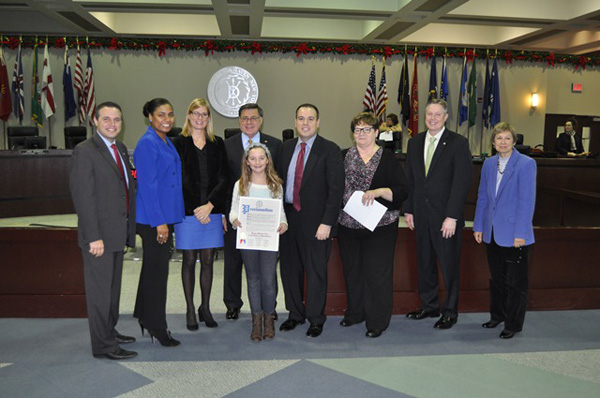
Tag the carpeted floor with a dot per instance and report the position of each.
(556, 355)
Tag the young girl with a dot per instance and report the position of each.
(259, 180)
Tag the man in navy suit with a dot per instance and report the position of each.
(251, 119)
(570, 143)
(103, 192)
(438, 168)
(313, 174)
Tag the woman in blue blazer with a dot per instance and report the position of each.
(159, 205)
(504, 221)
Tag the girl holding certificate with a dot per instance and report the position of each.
(259, 180)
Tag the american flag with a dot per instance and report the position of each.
(78, 84)
(382, 97)
(47, 87)
(370, 99)
(18, 87)
(88, 91)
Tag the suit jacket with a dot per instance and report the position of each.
(216, 162)
(99, 196)
(563, 143)
(510, 212)
(235, 151)
(322, 185)
(160, 193)
(442, 193)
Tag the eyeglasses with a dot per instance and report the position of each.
(248, 119)
(198, 115)
(364, 130)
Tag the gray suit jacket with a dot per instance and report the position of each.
(98, 194)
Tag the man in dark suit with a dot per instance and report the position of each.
(569, 143)
(438, 167)
(313, 174)
(251, 119)
(103, 192)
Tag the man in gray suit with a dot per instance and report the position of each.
(103, 192)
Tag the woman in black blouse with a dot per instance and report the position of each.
(204, 167)
(368, 256)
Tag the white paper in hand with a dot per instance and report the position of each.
(368, 216)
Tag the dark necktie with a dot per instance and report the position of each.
(122, 169)
(298, 176)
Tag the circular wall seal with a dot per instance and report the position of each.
(231, 87)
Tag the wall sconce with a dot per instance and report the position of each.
(535, 100)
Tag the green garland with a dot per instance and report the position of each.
(209, 47)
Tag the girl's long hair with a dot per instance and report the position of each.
(273, 181)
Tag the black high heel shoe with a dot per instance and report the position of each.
(191, 321)
(141, 326)
(164, 338)
(206, 317)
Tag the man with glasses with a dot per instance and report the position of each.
(438, 168)
(251, 120)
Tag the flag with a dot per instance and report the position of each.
(78, 85)
(444, 85)
(88, 90)
(494, 96)
(382, 97)
(18, 87)
(433, 90)
(473, 95)
(413, 121)
(70, 105)
(369, 102)
(403, 96)
(463, 98)
(485, 111)
(47, 87)
(36, 101)
(5, 101)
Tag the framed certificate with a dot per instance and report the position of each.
(260, 219)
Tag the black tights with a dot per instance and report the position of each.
(188, 276)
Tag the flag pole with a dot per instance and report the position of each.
(459, 91)
(487, 54)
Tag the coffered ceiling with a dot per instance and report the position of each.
(562, 26)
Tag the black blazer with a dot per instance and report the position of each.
(98, 193)
(322, 185)
(389, 174)
(217, 174)
(235, 151)
(443, 192)
(563, 143)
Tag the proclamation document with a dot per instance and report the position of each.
(260, 219)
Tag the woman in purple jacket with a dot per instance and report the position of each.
(504, 221)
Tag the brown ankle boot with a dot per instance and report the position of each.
(256, 327)
(269, 332)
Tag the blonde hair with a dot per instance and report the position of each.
(273, 181)
(186, 131)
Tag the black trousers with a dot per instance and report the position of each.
(509, 284)
(232, 272)
(102, 276)
(151, 301)
(368, 265)
(299, 255)
(431, 248)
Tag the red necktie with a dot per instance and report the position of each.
(298, 176)
(120, 166)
